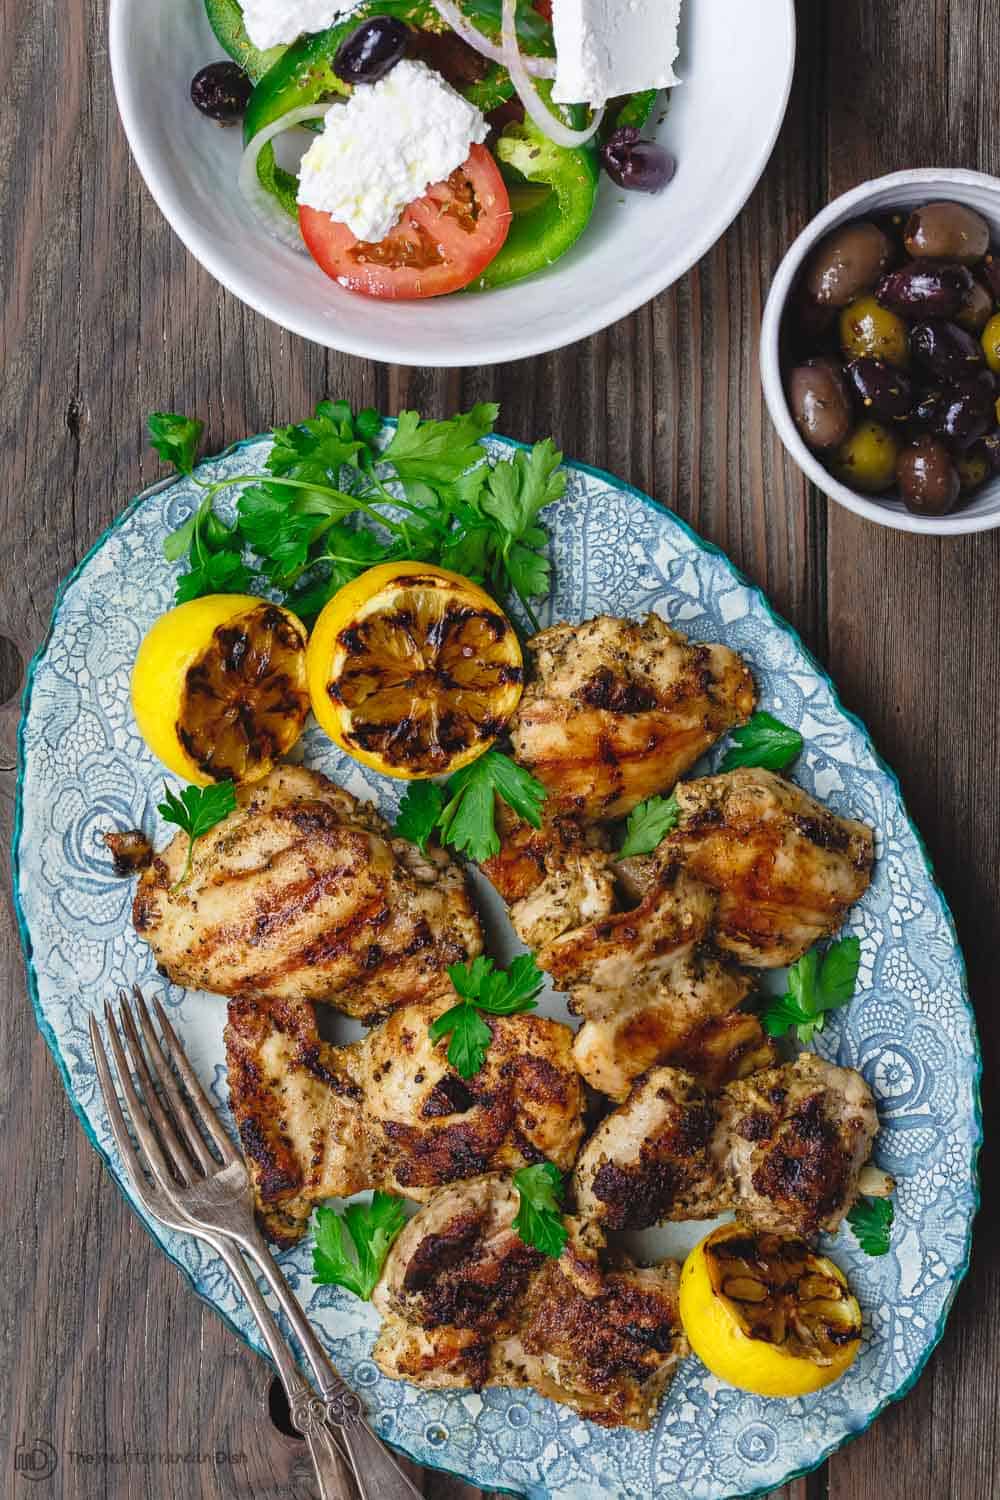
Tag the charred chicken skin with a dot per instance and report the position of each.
(786, 1149)
(318, 1121)
(614, 711)
(467, 1304)
(302, 894)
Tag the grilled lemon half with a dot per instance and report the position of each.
(219, 687)
(766, 1314)
(413, 670)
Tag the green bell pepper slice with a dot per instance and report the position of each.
(226, 20)
(553, 190)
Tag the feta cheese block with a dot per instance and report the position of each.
(269, 23)
(610, 47)
(385, 146)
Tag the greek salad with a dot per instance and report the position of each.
(451, 144)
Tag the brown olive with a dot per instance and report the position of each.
(947, 231)
(976, 309)
(847, 262)
(867, 460)
(928, 479)
(974, 468)
(819, 403)
(868, 328)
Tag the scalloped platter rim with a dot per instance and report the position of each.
(910, 1029)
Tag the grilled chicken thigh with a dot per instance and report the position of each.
(318, 1121)
(785, 1149)
(301, 894)
(467, 1304)
(784, 867)
(614, 711)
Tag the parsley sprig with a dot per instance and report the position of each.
(484, 989)
(815, 985)
(648, 824)
(370, 1228)
(871, 1219)
(330, 503)
(463, 811)
(539, 1221)
(762, 741)
(195, 811)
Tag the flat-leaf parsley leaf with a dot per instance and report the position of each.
(765, 742)
(539, 1220)
(195, 811)
(468, 821)
(371, 1228)
(648, 824)
(871, 1219)
(484, 987)
(815, 986)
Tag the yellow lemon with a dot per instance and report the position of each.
(219, 687)
(413, 670)
(766, 1314)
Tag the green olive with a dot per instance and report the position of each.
(868, 328)
(991, 343)
(867, 460)
(974, 468)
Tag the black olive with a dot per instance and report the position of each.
(926, 289)
(883, 390)
(221, 91)
(640, 166)
(945, 350)
(371, 50)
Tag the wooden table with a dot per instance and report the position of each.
(106, 317)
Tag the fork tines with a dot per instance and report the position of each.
(173, 1124)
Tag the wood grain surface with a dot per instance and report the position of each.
(140, 1389)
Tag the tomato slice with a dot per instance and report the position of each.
(442, 241)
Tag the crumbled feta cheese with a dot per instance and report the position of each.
(610, 47)
(386, 146)
(270, 22)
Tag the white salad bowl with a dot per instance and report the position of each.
(903, 190)
(736, 63)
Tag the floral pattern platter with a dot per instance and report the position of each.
(910, 1029)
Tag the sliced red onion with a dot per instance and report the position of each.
(448, 10)
(547, 122)
(267, 209)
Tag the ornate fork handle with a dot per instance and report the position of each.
(334, 1475)
(376, 1472)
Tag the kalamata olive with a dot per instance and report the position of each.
(221, 91)
(928, 408)
(819, 403)
(371, 49)
(974, 468)
(947, 231)
(991, 343)
(810, 326)
(976, 309)
(638, 165)
(866, 461)
(847, 262)
(866, 327)
(966, 416)
(925, 289)
(989, 270)
(928, 480)
(945, 350)
(883, 390)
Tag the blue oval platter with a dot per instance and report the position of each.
(910, 1029)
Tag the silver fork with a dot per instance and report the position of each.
(193, 1191)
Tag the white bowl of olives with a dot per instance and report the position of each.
(880, 351)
